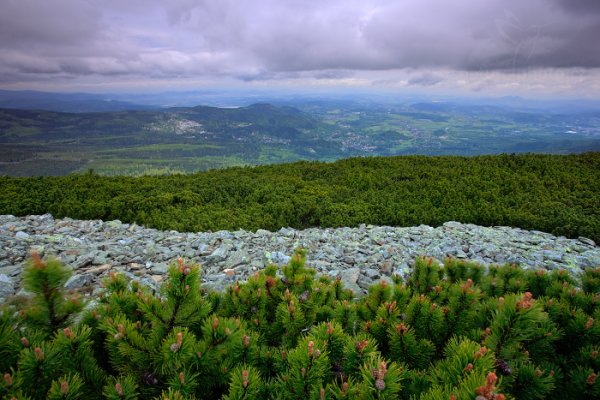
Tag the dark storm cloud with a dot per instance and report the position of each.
(254, 40)
(425, 80)
(580, 6)
(36, 24)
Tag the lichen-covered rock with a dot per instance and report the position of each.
(7, 287)
(359, 255)
(79, 281)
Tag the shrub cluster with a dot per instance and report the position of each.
(550, 193)
(451, 331)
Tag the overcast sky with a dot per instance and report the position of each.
(489, 47)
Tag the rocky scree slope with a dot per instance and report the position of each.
(359, 256)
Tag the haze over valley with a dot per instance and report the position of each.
(119, 137)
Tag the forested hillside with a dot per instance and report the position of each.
(557, 194)
(194, 139)
(183, 139)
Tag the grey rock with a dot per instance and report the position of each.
(149, 282)
(552, 255)
(364, 282)
(11, 270)
(45, 219)
(22, 235)
(587, 241)
(286, 231)
(7, 287)
(83, 261)
(452, 225)
(277, 258)
(372, 273)
(516, 259)
(214, 286)
(99, 269)
(350, 275)
(553, 266)
(203, 249)
(386, 267)
(474, 249)
(159, 268)
(349, 278)
(95, 247)
(150, 250)
(349, 260)
(100, 258)
(79, 281)
(237, 258)
(403, 270)
(54, 238)
(116, 224)
(587, 262)
(333, 273)
(220, 253)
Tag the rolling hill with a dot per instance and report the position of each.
(189, 139)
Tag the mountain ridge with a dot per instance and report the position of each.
(190, 139)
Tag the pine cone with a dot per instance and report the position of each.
(304, 296)
(149, 378)
(503, 367)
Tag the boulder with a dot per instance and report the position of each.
(79, 281)
(7, 287)
(349, 278)
(22, 235)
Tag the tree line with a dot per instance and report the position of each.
(559, 194)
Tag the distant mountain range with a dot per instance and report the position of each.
(118, 137)
(64, 102)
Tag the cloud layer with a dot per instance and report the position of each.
(428, 41)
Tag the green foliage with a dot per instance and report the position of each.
(50, 308)
(381, 380)
(10, 340)
(551, 193)
(118, 388)
(451, 331)
(67, 388)
(425, 276)
(405, 347)
(246, 384)
(304, 377)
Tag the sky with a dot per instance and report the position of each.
(536, 48)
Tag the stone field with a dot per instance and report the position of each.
(360, 256)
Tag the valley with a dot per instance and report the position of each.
(191, 139)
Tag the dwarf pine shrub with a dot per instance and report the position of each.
(451, 331)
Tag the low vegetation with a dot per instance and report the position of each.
(551, 193)
(454, 331)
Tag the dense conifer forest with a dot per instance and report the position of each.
(553, 193)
